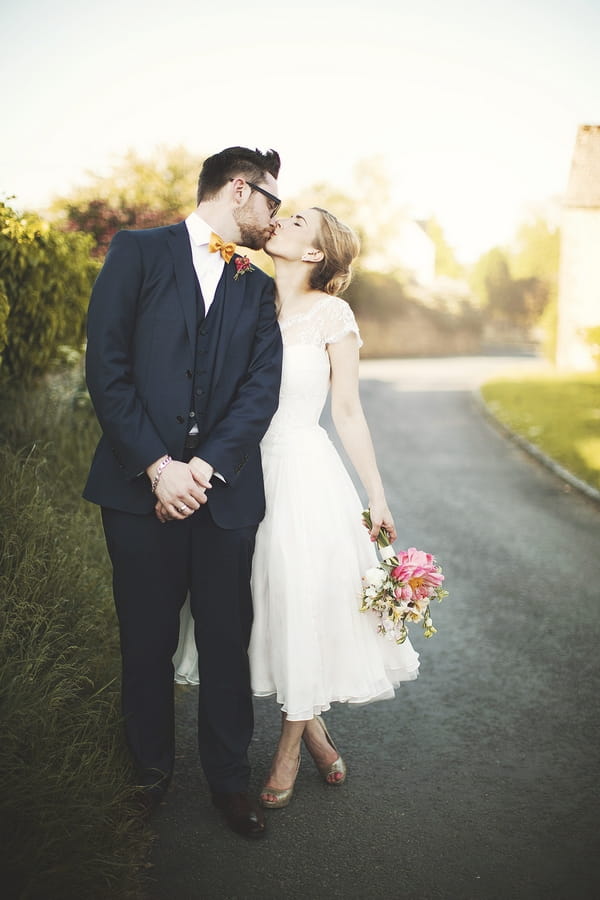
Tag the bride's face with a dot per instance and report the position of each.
(293, 238)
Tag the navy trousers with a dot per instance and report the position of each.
(154, 566)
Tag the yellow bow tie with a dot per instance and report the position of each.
(216, 243)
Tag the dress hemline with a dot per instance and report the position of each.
(304, 715)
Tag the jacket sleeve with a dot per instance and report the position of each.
(229, 444)
(109, 366)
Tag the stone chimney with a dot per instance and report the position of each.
(579, 278)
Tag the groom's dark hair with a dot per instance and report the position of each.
(217, 170)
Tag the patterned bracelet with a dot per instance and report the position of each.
(161, 466)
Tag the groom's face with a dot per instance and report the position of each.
(255, 218)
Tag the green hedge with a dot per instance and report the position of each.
(44, 293)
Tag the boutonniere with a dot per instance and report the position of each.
(242, 265)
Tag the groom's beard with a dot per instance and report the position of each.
(252, 235)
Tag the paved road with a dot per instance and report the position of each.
(480, 780)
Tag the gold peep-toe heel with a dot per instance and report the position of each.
(337, 767)
(282, 797)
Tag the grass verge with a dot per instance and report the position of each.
(69, 827)
(560, 414)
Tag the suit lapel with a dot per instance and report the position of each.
(185, 276)
(233, 301)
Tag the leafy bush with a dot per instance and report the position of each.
(46, 281)
(101, 220)
(138, 193)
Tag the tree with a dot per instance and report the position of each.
(535, 250)
(342, 205)
(534, 260)
(166, 180)
(366, 208)
(137, 193)
(506, 299)
(445, 260)
(101, 220)
(380, 215)
(491, 280)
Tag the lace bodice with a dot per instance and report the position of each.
(328, 321)
(306, 370)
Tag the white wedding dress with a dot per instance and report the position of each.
(310, 643)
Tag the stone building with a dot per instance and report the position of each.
(579, 278)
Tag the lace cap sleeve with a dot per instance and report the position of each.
(338, 321)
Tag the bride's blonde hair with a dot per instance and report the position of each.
(340, 248)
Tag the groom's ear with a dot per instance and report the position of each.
(237, 186)
(312, 255)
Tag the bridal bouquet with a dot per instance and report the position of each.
(401, 587)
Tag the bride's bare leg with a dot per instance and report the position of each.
(284, 766)
(322, 751)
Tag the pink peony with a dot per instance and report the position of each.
(403, 592)
(417, 569)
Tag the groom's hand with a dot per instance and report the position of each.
(202, 471)
(178, 492)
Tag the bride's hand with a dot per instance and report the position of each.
(381, 517)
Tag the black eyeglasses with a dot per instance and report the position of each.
(273, 201)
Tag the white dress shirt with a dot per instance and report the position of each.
(208, 266)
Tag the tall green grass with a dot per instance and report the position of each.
(69, 827)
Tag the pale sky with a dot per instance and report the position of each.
(472, 105)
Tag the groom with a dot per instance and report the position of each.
(183, 367)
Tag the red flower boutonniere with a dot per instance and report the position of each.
(242, 265)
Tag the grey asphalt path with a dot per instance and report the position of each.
(479, 780)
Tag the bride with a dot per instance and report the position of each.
(310, 643)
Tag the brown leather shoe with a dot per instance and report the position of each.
(241, 814)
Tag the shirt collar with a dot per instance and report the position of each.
(199, 230)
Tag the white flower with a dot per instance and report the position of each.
(376, 576)
(388, 627)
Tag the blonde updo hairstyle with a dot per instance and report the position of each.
(340, 247)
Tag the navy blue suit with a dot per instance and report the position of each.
(153, 360)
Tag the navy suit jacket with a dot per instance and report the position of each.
(142, 323)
